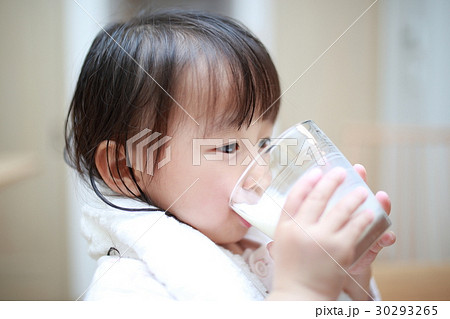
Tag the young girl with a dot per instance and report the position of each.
(161, 109)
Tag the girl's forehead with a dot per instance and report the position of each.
(199, 125)
(206, 98)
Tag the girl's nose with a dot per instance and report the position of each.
(258, 179)
(254, 183)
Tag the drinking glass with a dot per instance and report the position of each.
(261, 192)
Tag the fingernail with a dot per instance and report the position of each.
(392, 236)
(338, 172)
(383, 193)
(315, 173)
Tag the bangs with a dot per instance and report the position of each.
(229, 83)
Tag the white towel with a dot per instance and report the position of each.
(187, 263)
(184, 262)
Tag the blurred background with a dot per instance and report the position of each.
(380, 92)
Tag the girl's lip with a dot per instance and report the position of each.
(246, 223)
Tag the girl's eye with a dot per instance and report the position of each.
(264, 142)
(229, 148)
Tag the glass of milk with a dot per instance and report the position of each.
(261, 192)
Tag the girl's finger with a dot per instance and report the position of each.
(387, 239)
(299, 191)
(361, 170)
(356, 226)
(340, 214)
(365, 261)
(316, 201)
(369, 256)
(384, 201)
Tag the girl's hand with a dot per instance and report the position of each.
(361, 271)
(387, 239)
(309, 249)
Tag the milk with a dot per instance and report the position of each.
(264, 215)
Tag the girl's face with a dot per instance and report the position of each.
(195, 185)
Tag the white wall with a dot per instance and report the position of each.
(340, 88)
(259, 16)
(32, 210)
(414, 93)
(415, 62)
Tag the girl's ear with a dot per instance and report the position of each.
(114, 170)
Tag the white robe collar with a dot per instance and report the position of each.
(189, 264)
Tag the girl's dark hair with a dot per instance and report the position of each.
(133, 72)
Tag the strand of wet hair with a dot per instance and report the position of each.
(106, 201)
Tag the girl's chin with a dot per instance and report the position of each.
(235, 238)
